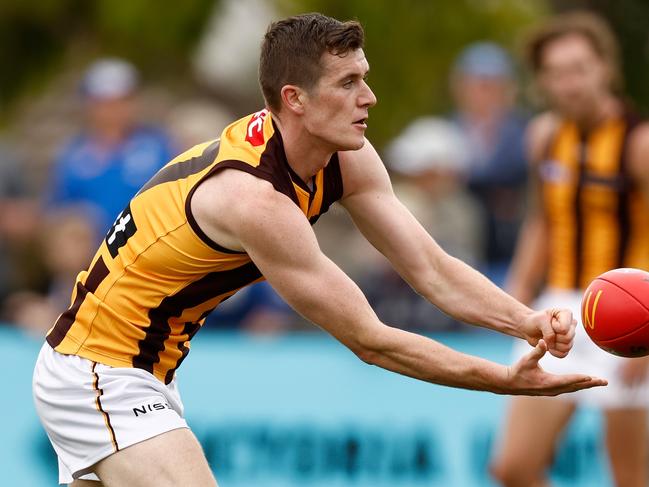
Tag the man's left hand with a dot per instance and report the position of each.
(555, 326)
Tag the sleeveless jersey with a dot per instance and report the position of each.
(597, 219)
(156, 275)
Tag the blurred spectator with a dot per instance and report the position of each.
(193, 122)
(104, 166)
(18, 223)
(430, 161)
(67, 242)
(484, 90)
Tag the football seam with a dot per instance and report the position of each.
(604, 342)
(625, 292)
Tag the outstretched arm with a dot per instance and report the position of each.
(241, 211)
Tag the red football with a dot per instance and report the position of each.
(615, 312)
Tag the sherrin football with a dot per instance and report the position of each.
(615, 312)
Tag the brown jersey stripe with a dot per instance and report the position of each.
(183, 169)
(190, 330)
(196, 293)
(96, 275)
(100, 392)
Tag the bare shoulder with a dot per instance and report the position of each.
(362, 170)
(230, 188)
(638, 155)
(539, 133)
(230, 199)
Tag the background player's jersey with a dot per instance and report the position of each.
(157, 275)
(597, 219)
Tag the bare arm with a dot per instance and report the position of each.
(639, 159)
(280, 241)
(528, 267)
(447, 282)
(528, 264)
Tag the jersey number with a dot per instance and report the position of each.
(123, 229)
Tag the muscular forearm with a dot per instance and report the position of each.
(425, 359)
(467, 295)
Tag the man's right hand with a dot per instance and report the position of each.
(526, 377)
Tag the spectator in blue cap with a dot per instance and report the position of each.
(483, 86)
(105, 165)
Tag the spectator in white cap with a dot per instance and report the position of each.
(115, 154)
(109, 78)
(429, 163)
(483, 86)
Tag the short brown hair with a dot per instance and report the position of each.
(292, 49)
(586, 24)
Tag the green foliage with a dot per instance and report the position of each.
(151, 33)
(36, 36)
(411, 45)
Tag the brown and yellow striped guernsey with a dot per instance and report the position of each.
(597, 219)
(156, 275)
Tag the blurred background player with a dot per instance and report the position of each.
(483, 87)
(105, 165)
(589, 212)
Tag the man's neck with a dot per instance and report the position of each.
(609, 107)
(305, 154)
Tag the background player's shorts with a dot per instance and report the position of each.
(587, 358)
(90, 410)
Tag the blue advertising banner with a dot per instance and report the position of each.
(301, 410)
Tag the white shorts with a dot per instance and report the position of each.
(587, 358)
(90, 410)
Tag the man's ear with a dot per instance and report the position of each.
(293, 98)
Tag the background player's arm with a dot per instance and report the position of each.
(444, 280)
(240, 211)
(528, 268)
(638, 158)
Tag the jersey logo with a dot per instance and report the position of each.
(123, 229)
(255, 129)
(554, 172)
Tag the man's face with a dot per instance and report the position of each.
(483, 95)
(572, 76)
(336, 108)
(114, 115)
